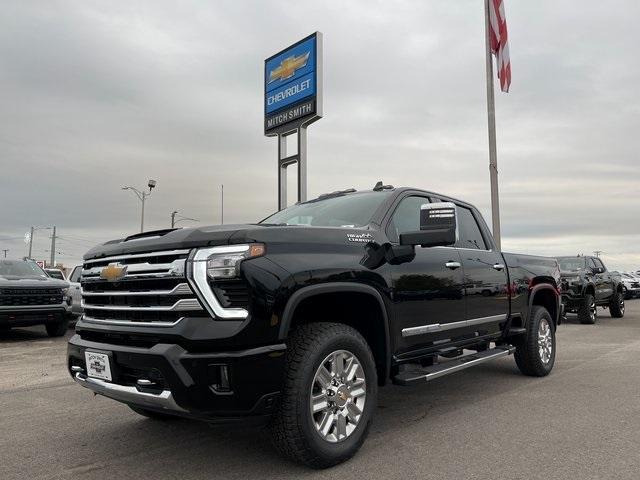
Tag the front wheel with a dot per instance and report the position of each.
(616, 305)
(587, 312)
(536, 353)
(57, 329)
(329, 395)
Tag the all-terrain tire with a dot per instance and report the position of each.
(152, 413)
(293, 427)
(535, 356)
(616, 305)
(57, 329)
(587, 312)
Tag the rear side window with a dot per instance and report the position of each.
(469, 234)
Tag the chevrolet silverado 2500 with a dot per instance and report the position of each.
(299, 318)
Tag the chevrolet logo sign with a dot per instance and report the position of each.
(113, 272)
(288, 67)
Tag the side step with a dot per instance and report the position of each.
(432, 372)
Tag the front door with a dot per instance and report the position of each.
(428, 291)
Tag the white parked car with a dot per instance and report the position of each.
(631, 285)
(75, 292)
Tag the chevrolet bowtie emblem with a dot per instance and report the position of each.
(288, 67)
(113, 272)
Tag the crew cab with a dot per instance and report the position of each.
(299, 318)
(28, 296)
(586, 285)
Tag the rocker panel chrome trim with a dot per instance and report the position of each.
(441, 327)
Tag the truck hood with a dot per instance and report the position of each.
(31, 282)
(184, 238)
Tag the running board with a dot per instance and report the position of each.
(432, 372)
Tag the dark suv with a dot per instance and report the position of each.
(586, 284)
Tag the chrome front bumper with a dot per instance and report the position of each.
(130, 395)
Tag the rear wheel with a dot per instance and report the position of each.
(536, 353)
(57, 329)
(587, 312)
(616, 305)
(329, 395)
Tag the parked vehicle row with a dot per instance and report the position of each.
(299, 318)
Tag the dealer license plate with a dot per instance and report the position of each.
(98, 365)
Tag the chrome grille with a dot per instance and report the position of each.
(152, 291)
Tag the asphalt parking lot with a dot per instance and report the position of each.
(581, 422)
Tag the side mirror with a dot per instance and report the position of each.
(438, 226)
(597, 270)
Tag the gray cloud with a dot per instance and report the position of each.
(98, 95)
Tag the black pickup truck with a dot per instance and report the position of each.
(587, 284)
(28, 296)
(299, 318)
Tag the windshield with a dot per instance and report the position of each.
(348, 210)
(19, 268)
(572, 264)
(55, 274)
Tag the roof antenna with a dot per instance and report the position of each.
(380, 186)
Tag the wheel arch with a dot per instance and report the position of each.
(310, 303)
(545, 295)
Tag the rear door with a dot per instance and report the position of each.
(428, 291)
(485, 275)
(603, 281)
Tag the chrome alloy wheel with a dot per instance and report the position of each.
(592, 310)
(338, 394)
(622, 305)
(545, 341)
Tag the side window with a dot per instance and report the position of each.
(75, 275)
(599, 263)
(406, 218)
(592, 263)
(469, 235)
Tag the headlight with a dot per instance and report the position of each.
(227, 264)
(215, 263)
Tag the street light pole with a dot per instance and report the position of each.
(5, 250)
(53, 248)
(142, 196)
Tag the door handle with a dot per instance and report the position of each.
(498, 266)
(452, 265)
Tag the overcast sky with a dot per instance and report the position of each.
(96, 95)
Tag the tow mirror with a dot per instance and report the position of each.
(438, 226)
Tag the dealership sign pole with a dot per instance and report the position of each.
(292, 101)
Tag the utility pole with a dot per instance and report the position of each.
(597, 253)
(31, 241)
(53, 247)
(222, 205)
(5, 250)
(182, 218)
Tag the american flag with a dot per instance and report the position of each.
(499, 43)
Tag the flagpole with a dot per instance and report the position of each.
(491, 116)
